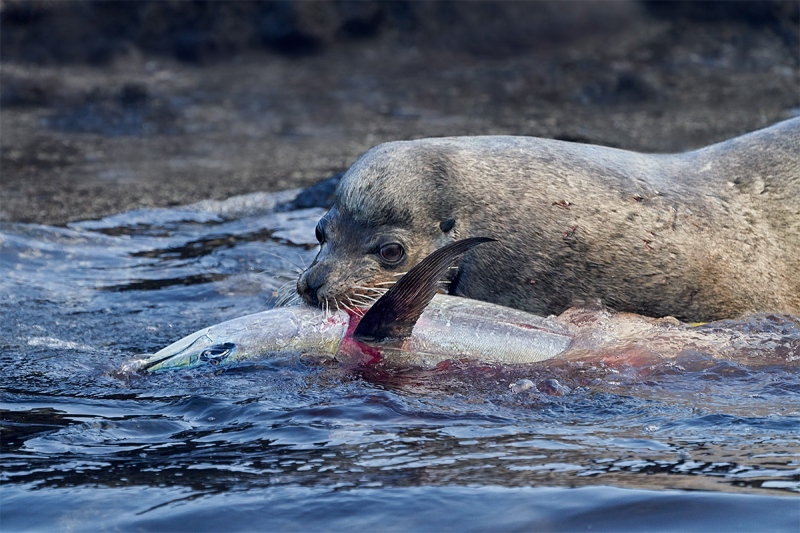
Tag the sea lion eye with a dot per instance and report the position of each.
(392, 252)
(320, 234)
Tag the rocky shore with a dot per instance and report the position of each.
(111, 106)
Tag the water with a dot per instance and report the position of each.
(305, 445)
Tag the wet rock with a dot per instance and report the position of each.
(552, 387)
(318, 195)
(521, 385)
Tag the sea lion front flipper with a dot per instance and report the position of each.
(396, 312)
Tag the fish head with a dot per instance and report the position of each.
(194, 350)
(288, 331)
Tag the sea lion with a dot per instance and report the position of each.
(702, 235)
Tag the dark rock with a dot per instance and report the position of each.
(318, 195)
(552, 387)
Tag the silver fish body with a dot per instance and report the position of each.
(452, 327)
(449, 328)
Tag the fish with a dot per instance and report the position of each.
(410, 324)
(449, 328)
(413, 325)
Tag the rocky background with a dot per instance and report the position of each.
(109, 106)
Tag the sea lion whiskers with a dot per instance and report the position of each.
(355, 308)
(298, 268)
(378, 290)
(362, 302)
(358, 303)
(336, 303)
(369, 293)
(286, 294)
(366, 295)
(362, 298)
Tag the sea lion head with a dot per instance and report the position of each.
(393, 207)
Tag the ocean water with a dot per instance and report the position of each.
(310, 445)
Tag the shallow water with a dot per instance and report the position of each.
(301, 444)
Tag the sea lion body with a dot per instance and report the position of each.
(703, 235)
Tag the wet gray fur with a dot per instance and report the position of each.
(708, 234)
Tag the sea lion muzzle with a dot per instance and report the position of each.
(310, 282)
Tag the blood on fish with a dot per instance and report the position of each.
(355, 349)
(522, 325)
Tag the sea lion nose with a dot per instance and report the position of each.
(309, 283)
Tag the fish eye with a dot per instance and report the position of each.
(392, 252)
(320, 233)
(217, 353)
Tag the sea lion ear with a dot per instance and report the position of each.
(447, 224)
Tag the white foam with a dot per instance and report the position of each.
(58, 344)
